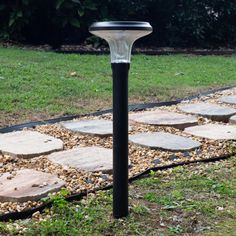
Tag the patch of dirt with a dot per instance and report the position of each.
(90, 49)
(192, 222)
(9, 119)
(83, 106)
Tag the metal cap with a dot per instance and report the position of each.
(121, 25)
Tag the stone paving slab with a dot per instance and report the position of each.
(27, 185)
(232, 120)
(84, 159)
(229, 99)
(164, 141)
(28, 144)
(209, 110)
(164, 118)
(213, 131)
(101, 128)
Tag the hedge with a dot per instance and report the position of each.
(176, 23)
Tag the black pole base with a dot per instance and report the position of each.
(120, 139)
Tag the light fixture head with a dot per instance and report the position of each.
(120, 36)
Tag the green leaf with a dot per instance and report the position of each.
(45, 199)
(19, 14)
(59, 3)
(169, 207)
(76, 1)
(80, 13)
(152, 173)
(75, 22)
(64, 192)
(90, 5)
(11, 21)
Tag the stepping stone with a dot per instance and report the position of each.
(232, 119)
(84, 159)
(28, 144)
(164, 118)
(211, 111)
(229, 99)
(28, 185)
(213, 131)
(164, 141)
(101, 128)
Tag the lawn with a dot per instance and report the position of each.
(38, 85)
(198, 199)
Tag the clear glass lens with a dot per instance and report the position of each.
(120, 42)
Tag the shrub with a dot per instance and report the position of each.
(184, 23)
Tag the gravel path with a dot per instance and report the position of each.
(141, 158)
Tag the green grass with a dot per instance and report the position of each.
(36, 82)
(198, 199)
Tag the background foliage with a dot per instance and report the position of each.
(183, 23)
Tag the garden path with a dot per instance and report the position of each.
(34, 162)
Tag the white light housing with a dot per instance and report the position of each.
(120, 36)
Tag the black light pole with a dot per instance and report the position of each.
(120, 36)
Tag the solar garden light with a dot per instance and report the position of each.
(120, 36)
